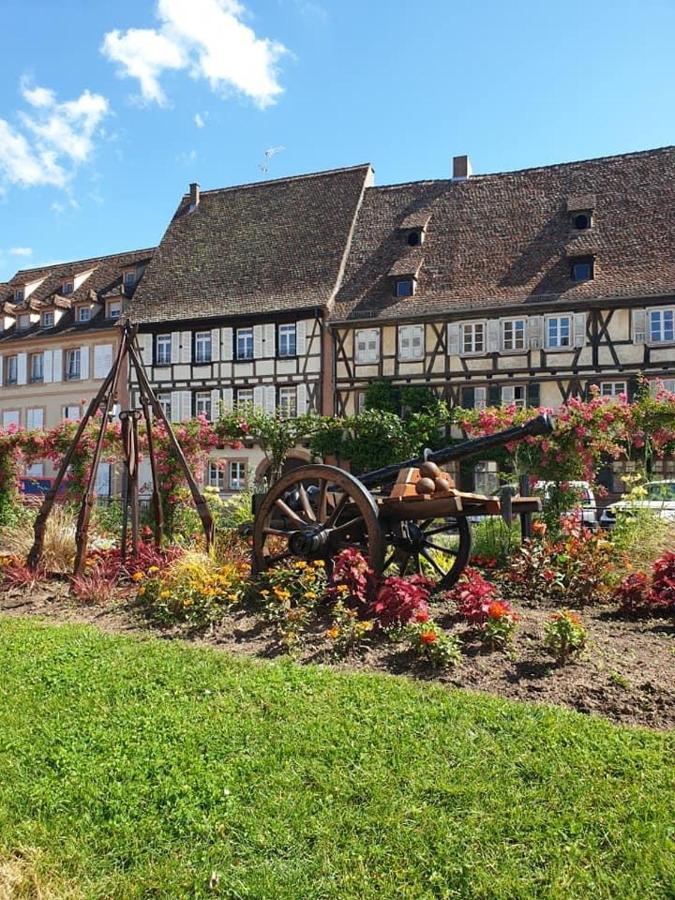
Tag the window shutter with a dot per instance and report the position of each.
(57, 368)
(175, 406)
(494, 395)
(632, 388)
(186, 346)
(301, 338)
(404, 342)
(215, 345)
(468, 397)
(639, 325)
(270, 332)
(579, 329)
(259, 397)
(417, 343)
(84, 363)
(480, 397)
(2, 370)
(227, 344)
(453, 340)
(228, 400)
(270, 399)
(257, 341)
(185, 406)
(102, 360)
(535, 329)
(175, 348)
(21, 368)
(47, 366)
(374, 346)
(508, 394)
(533, 395)
(145, 347)
(301, 400)
(215, 404)
(493, 332)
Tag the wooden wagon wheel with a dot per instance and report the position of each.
(422, 547)
(313, 513)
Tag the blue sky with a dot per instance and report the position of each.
(109, 110)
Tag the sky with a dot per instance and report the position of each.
(109, 110)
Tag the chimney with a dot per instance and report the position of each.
(461, 168)
(194, 196)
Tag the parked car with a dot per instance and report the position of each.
(587, 506)
(660, 499)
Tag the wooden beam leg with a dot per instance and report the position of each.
(156, 499)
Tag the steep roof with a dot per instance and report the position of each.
(254, 249)
(104, 281)
(504, 239)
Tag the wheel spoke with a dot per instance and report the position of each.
(306, 505)
(450, 551)
(337, 510)
(443, 528)
(323, 500)
(279, 532)
(429, 558)
(347, 525)
(288, 512)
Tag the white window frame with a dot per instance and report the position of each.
(472, 329)
(570, 334)
(370, 337)
(245, 341)
(34, 409)
(511, 345)
(83, 314)
(164, 401)
(72, 354)
(287, 341)
(245, 392)
(67, 288)
(661, 313)
(19, 294)
(406, 343)
(71, 407)
(665, 384)
(12, 363)
(215, 476)
(288, 402)
(518, 398)
(236, 475)
(203, 405)
(11, 413)
(31, 359)
(48, 319)
(203, 354)
(613, 388)
(163, 341)
(35, 470)
(23, 322)
(114, 309)
(129, 279)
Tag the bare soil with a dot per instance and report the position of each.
(627, 672)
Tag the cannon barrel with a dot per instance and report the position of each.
(540, 425)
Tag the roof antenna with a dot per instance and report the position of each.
(264, 166)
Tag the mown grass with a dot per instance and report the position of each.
(136, 768)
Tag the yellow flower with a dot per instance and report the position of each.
(301, 564)
(137, 576)
(319, 564)
(333, 632)
(153, 569)
(141, 591)
(165, 594)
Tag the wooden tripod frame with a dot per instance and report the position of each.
(127, 352)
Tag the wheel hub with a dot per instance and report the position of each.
(309, 541)
(410, 537)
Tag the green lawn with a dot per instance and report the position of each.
(134, 768)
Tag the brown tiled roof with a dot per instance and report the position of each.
(253, 249)
(495, 240)
(105, 281)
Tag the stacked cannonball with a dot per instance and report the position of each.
(433, 480)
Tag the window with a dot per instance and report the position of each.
(360, 401)
(411, 342)
(67, 288)
(83, 313)
(11, 371)
(287, 342)
(663, 384)
(73, 364)
(237, 480)
(216, 476)
(203, 347)
(10, 417)
(558, 331)
(203, 404)
(114, 309)
(403, 287)
(514, 395)
(415, 237)
(582, 221)
(35, 417)
(472, 336)
(36, 367)
(36, 470)
(18, 295)
(244, 343)
(288, 405)
(72, 413)
(164, 401)
(244, 396)
(367, 343)
(129, 279)
(163, 350)
(612, 388)
(582, 269)
(48, 319)
(662, 325)
(23, 322)
(513, 334)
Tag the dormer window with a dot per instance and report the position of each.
(67, 288)
(582, 268)
(114, 309)
(415, 237)
(582, 221)
(129, 279)
(404, 287)
(23, 322)
(18, 295)
(48, 319)
(83, 313)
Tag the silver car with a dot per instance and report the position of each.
(660, 498)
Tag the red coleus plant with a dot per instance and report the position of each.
(662, 594)
(473, 596)
(352, 580)
(632, 594)
(399, 600)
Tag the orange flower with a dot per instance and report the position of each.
(498, 610)
(539, 527)
(428, 637)
(137, 576)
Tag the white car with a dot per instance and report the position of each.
(586, 506)
(660, 499)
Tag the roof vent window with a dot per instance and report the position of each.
(404, 287)
(582, 268)
(582, 221)
(415, 237)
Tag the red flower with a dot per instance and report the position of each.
(428, 637)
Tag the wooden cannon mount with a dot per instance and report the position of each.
(406, 518)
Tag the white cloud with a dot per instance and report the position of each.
(21, 251)
(207, 38)
(199, 120)
(51, 140)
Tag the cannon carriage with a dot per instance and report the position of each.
(405, 518)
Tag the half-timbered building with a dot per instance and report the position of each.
(232, 310)
(524, 287)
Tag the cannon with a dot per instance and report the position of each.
(405, 518)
